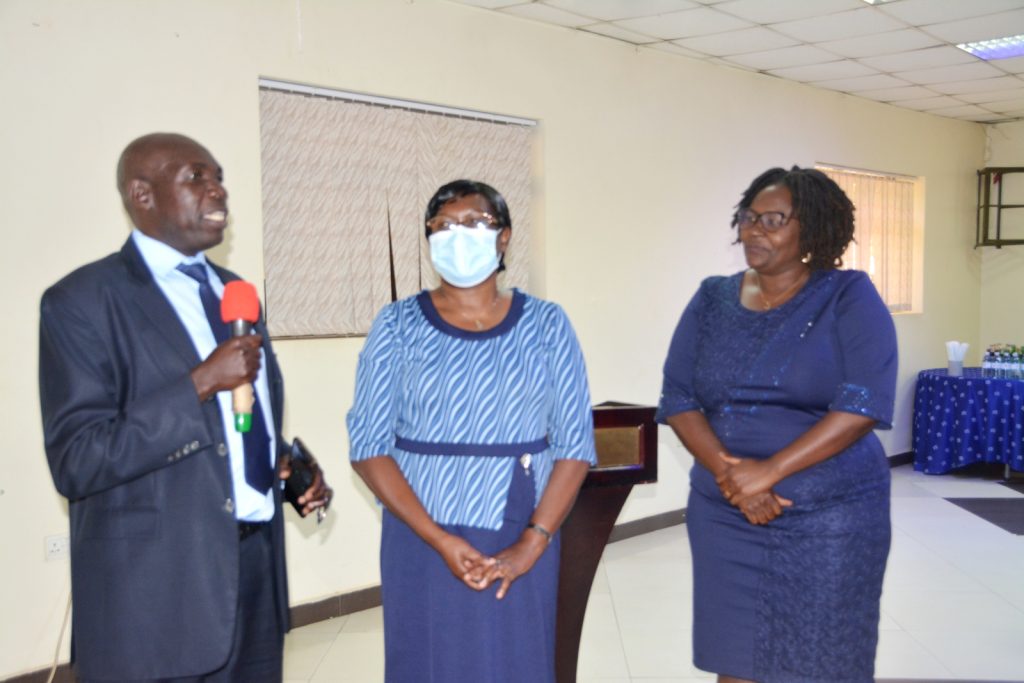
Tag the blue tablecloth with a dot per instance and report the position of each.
(959, 421)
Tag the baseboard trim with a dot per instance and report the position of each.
(365, 598)
(901, 459)
(645, 525)
(335, 606)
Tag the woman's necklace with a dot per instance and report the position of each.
(482, 313)
(768, 304)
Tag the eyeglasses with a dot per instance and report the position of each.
(438, 223)
(769, 220)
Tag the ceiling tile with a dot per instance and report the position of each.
(548, 14)
(721, 62)
(991, 118)
(921, 12)
(613, 31)
(908, 92)
(611, 10)
(823, 72)
(858, 22)
(755, 39)
(989, 97)
(920, 59)
(798, 55)
(685, 24)
(774, 11)
(676, 50)
(1013, 65)
(983, 85)
(903, 40)
(961, 111)
(980, 28)
(860, 84)
(928, 103)
(1005, 106)
(944, 74)
(492, 4)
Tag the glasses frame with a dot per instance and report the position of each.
(486, 220)
(759, 218)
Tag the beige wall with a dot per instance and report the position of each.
(1002, 274)
(644, 154)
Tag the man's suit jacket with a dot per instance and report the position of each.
(144, 466)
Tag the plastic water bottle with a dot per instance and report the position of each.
(986, 364)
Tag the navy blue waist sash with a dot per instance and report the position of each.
(491, 450)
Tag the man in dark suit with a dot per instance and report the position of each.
(177, 539)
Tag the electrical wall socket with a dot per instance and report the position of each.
(56, 547)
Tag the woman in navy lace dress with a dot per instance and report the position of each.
(774, 381)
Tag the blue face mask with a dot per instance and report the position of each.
(463, 256)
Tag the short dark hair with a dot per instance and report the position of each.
(458, 189)
(823, 209)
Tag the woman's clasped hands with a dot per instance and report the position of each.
(747, 484)
(478, 571)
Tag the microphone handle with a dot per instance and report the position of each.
(241, 405)
(242, 396)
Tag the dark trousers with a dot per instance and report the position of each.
(258, 646)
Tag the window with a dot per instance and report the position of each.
(346, 179)
(887, 234)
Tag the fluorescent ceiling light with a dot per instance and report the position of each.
(877, 2)
(997, 48)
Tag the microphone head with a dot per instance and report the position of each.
(240, 302)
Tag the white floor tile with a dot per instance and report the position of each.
(887, 623)
(601, 653)
(662, 577)
(670, 543)
(600, 584)
(1011, 589)
(961, 487)
(654, 651)
(367, 621)
(901, 656)
(352, 657)
(913, 566)
(304, 650)
(905, 488)
(981, 654)
(963, 612)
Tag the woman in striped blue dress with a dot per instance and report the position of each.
(472, 426)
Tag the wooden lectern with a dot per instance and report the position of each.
(626, 438)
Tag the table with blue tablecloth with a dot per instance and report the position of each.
(959, 421)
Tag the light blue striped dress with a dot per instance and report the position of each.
(427, 382)
(457, 411)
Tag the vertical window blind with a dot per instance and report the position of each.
(345, 183)
(884, 231)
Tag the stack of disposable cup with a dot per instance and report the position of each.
(955, 352)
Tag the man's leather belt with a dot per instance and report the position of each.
(247, 529)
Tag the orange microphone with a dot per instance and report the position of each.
(240, 308)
